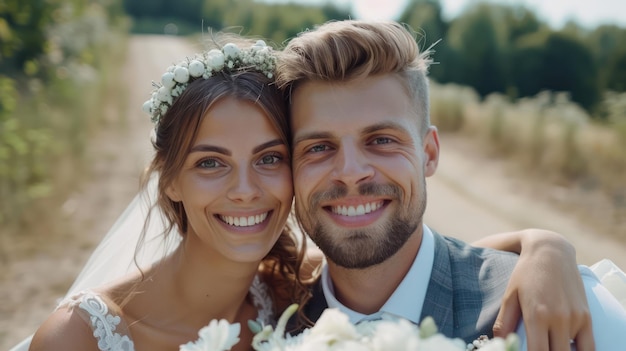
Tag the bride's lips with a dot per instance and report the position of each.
(245, 222)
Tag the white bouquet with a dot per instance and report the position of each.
(333, 331)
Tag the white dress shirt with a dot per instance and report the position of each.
(402, 303)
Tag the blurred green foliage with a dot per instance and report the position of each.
(507, 49)
(51, 53)
(276, 22)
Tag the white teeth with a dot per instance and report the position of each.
(244, 221)
(360, 210)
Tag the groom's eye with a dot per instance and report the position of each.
(318, 148)
(381, 140)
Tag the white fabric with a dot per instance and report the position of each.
(607, 314)
(113, 258)
(402, 302)
(613, 279)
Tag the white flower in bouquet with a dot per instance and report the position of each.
(333, 331)
(217, 336)
(333, 326)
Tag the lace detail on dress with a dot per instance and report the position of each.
(103, 323)
(262, 301)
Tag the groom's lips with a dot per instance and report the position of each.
(356, 213)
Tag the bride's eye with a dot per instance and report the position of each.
(208, 163)
(270, 159)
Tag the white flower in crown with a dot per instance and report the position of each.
(181, 74)
(231, 51)
(177, 77)
(259, 45)
(196, 68)
(215, 59)
(168, 80)
(164, 94)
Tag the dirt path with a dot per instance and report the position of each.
(469, 194)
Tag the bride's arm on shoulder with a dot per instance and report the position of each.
(64, 330)
(553, 303)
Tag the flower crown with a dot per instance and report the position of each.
(230, 58)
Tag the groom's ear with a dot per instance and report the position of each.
(172, 192)
(431, 151)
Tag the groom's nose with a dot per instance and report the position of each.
(351, 164)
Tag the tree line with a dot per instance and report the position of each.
(508, 49)
(493, 48)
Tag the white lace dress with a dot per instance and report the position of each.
(112, 333)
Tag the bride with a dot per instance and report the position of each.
(215, 242)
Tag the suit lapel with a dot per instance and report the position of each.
(317, 304)
(439, 295)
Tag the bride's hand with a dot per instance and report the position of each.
(546, 289)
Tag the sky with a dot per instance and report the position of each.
(588, 13)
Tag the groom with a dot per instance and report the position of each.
(362, 148)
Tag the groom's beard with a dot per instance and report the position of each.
(363, 247)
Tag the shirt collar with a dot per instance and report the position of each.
(408, 298)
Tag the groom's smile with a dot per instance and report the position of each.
(356, 212)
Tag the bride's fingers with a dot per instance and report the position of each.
(584, 338)
(508, 316)
(559, 339)
(537, 337)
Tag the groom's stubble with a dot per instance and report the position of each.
(363, 247)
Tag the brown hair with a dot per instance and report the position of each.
(175, 134)
(351, 50)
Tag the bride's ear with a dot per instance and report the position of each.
(172, 192)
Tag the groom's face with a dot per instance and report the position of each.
(359, 163)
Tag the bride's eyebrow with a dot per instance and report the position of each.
(224, 151)
(210, 148)
(268, 144)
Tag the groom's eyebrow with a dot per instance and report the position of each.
(312, 136)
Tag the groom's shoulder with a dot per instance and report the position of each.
(465, 255)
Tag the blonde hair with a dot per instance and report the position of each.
(351, 50)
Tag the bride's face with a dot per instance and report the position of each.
(235, 184)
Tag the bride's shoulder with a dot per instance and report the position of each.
(65, 329)
(84, 297)
(84, 318)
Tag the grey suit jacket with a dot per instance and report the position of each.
(464, 293)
